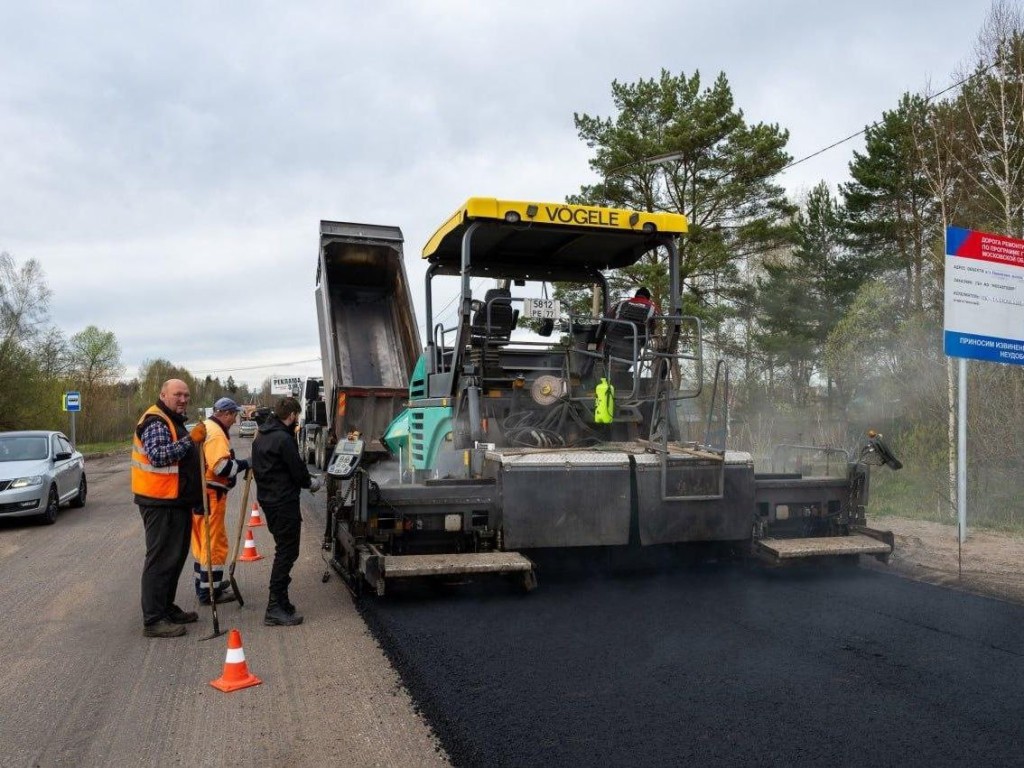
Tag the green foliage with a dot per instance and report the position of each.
(717, 170)
(860, 347)
(893, 218)
(98, 449)
(990, 108)
(805, 293)
(95, 357)
(24, 312)
(153, 374)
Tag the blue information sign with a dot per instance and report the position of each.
(72, 401)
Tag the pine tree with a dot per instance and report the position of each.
(717, 170)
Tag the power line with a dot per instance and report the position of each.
(257, 367)
(867, 128)
(676, 155)
(442, 313)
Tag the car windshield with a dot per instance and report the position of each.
(22, 448)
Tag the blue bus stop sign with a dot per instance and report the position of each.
(72, 401)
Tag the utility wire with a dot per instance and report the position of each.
(675, 155)
(256, 367)
(867, 128)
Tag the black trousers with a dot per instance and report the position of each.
(168, 531)
(285, 525)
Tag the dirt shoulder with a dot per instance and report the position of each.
(989, 563)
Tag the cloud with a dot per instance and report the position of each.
(169, 165)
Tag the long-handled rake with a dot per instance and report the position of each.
(238, 538)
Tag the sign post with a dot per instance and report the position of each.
(72, 404)
(984, 319)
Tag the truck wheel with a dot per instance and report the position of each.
(309, 454)
(318, 450)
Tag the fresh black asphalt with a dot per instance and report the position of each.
(714, 664)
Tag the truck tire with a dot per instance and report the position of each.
(328, 451)
(320, 449)
(309, 451)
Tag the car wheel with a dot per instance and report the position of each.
(49, 516)
(79, 500)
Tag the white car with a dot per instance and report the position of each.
(39, 471)
(247, 428)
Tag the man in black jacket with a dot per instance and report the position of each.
(281, 474)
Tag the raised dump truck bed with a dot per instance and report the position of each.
(368, 336)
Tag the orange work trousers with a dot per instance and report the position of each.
(218, 544)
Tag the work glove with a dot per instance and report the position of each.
(198, 433)
(315, 485)
(243, 465)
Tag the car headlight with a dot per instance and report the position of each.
(27, 482)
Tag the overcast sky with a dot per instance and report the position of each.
(168, 164)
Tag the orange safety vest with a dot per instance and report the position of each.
(216, 448)
(147, 480)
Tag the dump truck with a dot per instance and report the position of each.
(369, 340)
(510, 444)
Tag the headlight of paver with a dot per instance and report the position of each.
(27, 482)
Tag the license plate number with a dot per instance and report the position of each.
(542, 309)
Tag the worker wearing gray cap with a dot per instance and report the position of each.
(222, 470)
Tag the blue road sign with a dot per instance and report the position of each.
(72, 401)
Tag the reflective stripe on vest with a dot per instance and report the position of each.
(147, 480)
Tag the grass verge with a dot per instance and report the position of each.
(96, 449)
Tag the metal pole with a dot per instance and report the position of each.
(74, 443)
(961, 450)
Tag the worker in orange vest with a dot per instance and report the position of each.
(167, 489)
(222, 470)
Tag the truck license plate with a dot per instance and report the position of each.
(542, 309)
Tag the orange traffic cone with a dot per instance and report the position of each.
(254, 519)
(249, 554)
(236, 674)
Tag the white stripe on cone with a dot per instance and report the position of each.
(235, 656)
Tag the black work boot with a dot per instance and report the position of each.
(277, 616)
(163, 628)
(227, 595)
(285, 603)
(177, 616)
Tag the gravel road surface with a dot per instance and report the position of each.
(81, 686)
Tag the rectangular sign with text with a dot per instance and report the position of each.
(285, 385)
(984, 304)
